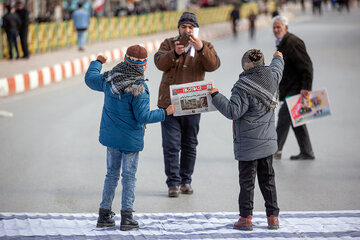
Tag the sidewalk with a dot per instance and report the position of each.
(17, 76)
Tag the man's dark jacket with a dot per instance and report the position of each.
(11, 21)
(298, 71)
(24, 16)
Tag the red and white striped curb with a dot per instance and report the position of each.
(58, 72)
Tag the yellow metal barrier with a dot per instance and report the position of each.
(45, 37)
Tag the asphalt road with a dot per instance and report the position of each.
(51, 160)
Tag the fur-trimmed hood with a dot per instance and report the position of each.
(135, 89)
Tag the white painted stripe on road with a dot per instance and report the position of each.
(46, 75)
(108, 55)
(77, 66)
(19, 83)
(68, 71)
(157, 44)
(4, 87)
(6, 114)
(116, 53)
(57, 72)
(150, 47)
(93, 57)
(124, 52)
(85, 61)
(34, 79)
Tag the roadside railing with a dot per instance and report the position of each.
(50, 36)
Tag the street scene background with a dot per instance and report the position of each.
(51, 160)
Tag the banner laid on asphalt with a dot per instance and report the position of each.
(303, 110)
(181, 226)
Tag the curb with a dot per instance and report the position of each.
(44, 76)
(37, 78)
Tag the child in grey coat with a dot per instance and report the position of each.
(251, 107)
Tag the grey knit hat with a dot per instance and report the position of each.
(252, 58)
(188, 17)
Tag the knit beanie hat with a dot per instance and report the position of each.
(19, 2)
(252, 58)
(137, 55)
(188, 17)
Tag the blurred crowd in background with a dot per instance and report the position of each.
(59, 10)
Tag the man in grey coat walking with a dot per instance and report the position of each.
(251, 107)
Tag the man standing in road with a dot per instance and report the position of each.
(235, 17)
(81, 20)
(11, 23)
(179, 134)
(23, 13)
(297, 78)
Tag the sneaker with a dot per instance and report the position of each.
(303, 156)
(277, 155)
(174, 191)
(273, 222)
(186, 189)
(244, 224)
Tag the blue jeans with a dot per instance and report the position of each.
(129, 163)
(81, 38)
(179, 135)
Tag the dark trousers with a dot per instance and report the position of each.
(23, 33)
(179, 137)
(11, 36)
(266, 178)
(234, 27)
(301, 132)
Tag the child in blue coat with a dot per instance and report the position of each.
(125, 112)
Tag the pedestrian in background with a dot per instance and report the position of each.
(23, 13)
(251, 107)
(81, 20)
(11, 25)
(179, 134)
(252, 19)
(302, 2)
(125, 112)
(316, 6)
(297, 79)
(235, 17)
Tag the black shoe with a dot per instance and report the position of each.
(127, 221)
(303, 156)
(105, 218)
(277, 155)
